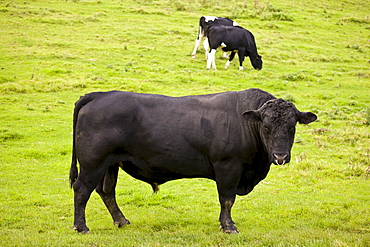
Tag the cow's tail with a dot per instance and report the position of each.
(201, 26)
(73, 172)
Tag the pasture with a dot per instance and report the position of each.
(315, 53)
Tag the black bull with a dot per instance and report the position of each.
(231, 138)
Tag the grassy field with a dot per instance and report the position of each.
(315, 53)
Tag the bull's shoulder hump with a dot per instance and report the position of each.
(252, 99)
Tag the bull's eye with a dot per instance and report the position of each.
(266, 129)
(292, 130)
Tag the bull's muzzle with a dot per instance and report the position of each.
(280, 159)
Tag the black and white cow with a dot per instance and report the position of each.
(204, 22)
(231, 138)
(234, 39)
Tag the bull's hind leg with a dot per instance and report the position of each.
(83, 187)
(107, 191)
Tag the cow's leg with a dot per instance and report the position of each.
(211, 59)
(206, 47)
(197, 41)
(232, 55)
(107, 191)
(241, 54)
(84, 185)
(196, 45)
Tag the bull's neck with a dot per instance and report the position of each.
(254, 132)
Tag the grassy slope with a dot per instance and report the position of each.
(316, 53)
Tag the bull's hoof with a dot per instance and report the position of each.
(82, 230)
(229, 231)
(122, 223)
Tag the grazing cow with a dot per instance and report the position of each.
(204, 22)
(231, 138)
(232, 39)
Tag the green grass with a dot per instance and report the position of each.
(315, 53)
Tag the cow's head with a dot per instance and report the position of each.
(277, 120)
(256, 61)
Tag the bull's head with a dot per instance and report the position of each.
(277, 120)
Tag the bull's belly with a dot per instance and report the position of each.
(161, 170)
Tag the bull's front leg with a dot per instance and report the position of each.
(227, 224)
(227, 180)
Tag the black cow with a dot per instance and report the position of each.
(232, 39)
(231, 138)
(204, 22)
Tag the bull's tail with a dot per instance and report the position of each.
(73, 172)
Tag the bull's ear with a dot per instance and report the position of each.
(252, 116)
(306, 117)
